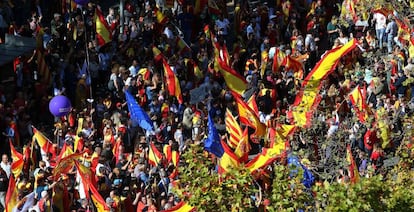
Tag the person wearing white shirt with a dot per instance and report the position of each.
(133, 69)
(380, 25)
(5, 164)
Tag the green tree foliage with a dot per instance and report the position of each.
(203, 188)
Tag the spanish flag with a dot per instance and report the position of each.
(161, 18)
(243, 148)
(234, 81)
(64, 152)
(11, 195)
(359, 103)
(175, 158)
(154, 156)
(228, 160)
(103, 31)
(85, 176)
(251, 102)
(166, 149)
(98, 201)
(181, 45)
(278, 60)
(157, 54)
(249, 117)
(233, 129)
(181, 207)
(17, 163)
(353, 171)
(308, 98)
(66, 164)
(46, 146)
(173, 84)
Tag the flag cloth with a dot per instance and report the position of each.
(181, 207)
(228, 160)
(161, 18)
(11, 195)
(243, 148)
(103, 31)
(173, 84)
(46, 146)
(308, 98)
(98, 201)
(181, 45)
(43, 68)
(25, 203)
(138, 115)
(166, 149)
(154, 156)
(233, 129)
(212, 143)
(353, 171)
(17, 161)
(248, 116)
(66, 164)
(86, 177)
(234, 81)
(251, 102)
(359, 103)
(64, 152)
(175, 158)
(157, 54)
(308, 179)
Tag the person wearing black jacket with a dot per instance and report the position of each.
(4, 183)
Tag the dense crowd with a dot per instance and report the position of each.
(382, 63)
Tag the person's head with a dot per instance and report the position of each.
(42, 164)
(4, 158)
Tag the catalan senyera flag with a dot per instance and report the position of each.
(249, 117)
(353, 170)
(234, 81)
(11, 195)
(308, 98)
(103, 31)
(17, 161)
(46, 146)
(43, 68)
(161, 18)
(228, 160)
(233, 129)
(359, 103)
(154, 156)
(181, 207)
(173, 84)
(98, 201)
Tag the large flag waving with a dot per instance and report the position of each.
(228, 160)
(308, 98)
(98, 201)
(138, 115)
(17, 163)
(234, 81)
(154, 156)
(103, 31)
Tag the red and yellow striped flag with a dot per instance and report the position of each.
(234, 81)
(308, 98)
(353, 170)
(243, 148)
(359, 104)
(228, 160)
(154, 156)
(98, 201)
(17, 161)
(233, 129)
(46, 146)
(166, 149)
(248, 116)
(11, 195)
(173, 84)
(103, 31)
(157, 54)
(161, 18)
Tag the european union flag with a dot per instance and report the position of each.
(308, 178)
(138, 115)
(212, 143)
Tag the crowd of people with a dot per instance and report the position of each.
(383, 63)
